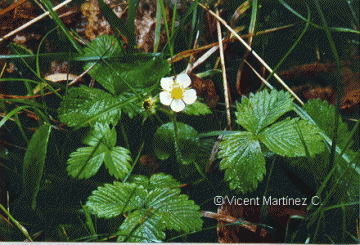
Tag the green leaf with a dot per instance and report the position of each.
(101, 132)
(89, 222)
(345, 156)
(81, 104)
(283, 138)
(34, 163)
(131, 15)
(128, 106)
(117, 161)
(323, 115)
(142, 225)
(86, 161)
(112, 200)
(162, 180)
(197, 109)
(178, 212)
(85, 105)
(159, 180)
(243, 161)
(101, 45)
(262, 109)
(139, 180)
(352, 180)
(138, 71)
(164, 141)
(110, 138)
(147, 213)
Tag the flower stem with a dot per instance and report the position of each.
(176, 139)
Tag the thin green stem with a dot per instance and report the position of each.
(176, 138)
(38, 76)
(173, 19)
(293, 46)
(124, 135)
(199, 169)
(134, 163)
(16, 223)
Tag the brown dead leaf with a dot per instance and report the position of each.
(206, 88)
(24, 11)
(351, 82)
(248, 232)
(97, 24)
(151, 163)
(350, 100)
(145, 26)
(351, 96)
(239, 11)
(324, 93)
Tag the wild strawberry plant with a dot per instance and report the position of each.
(143, 88)
(151, 206)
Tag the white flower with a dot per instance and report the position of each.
(176, 93)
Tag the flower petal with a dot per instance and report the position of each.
(165, 98)
(183, 80)
(177, 105)
(190, 96)
(167, 83)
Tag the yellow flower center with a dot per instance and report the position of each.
(177, 92)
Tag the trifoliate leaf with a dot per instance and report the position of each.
(112, 200)
(117, 161)
(142, 225)
(197, 109)
(323, 115)
(243, 161)
(103, 132)
(147, 213)
(86, 161)
(116, 158)
(262, 109)
(283, 138)
(177, 211)
(164, 141)
(138, 71)
(85, 105)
